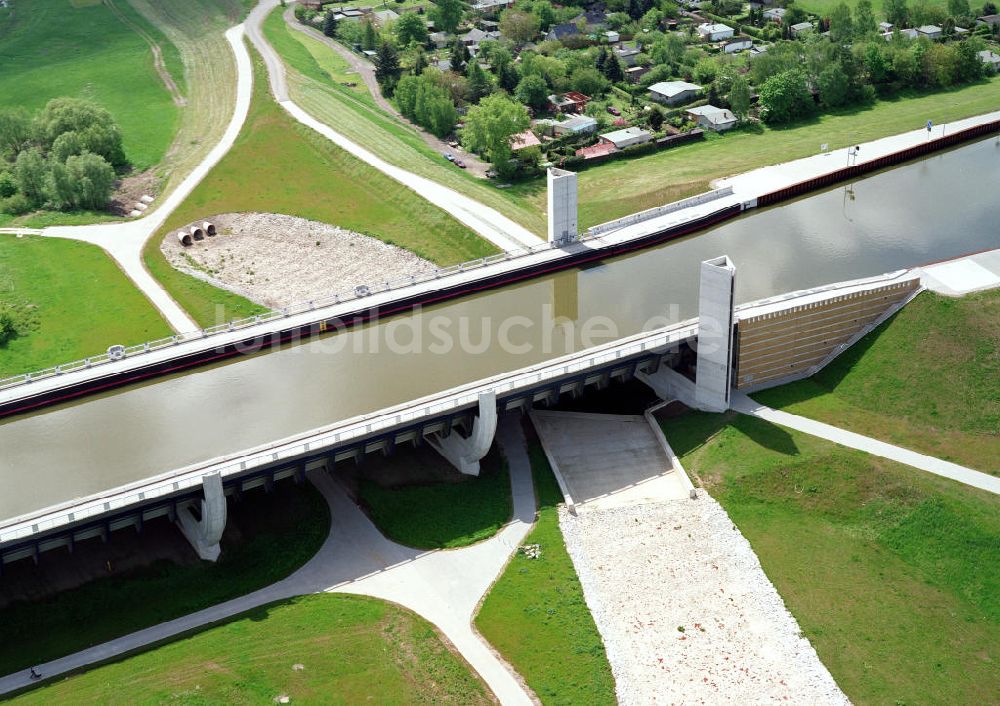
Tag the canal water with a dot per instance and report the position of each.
(938, 208)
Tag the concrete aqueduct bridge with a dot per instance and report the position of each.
(747, 347)
(564, 249)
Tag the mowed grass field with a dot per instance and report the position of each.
(76, 300)
(928, 379)
(329, 649)
(280, 166)
(535, 614)
(53, 48)
(892, 573)
(823, 8)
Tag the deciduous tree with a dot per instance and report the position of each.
(490, 126)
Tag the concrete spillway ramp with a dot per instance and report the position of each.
(607, 460)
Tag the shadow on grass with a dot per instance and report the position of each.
(770, 436)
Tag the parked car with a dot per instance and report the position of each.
(460, 164)
(613, 110)
(449, 156)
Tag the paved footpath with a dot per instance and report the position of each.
(977, 479)
(445, 586)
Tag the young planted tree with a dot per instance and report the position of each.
(369, 37)
(490, 126)
(532, 91)
(387, 68)
(446, 15)
(410, 29)
(459, 57)
(739, 97)
(329, 24)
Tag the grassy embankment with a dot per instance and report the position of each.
(54, 48)
(40, 277)
(892, 573)
(928, 380)
(440, 514)
(356, 116)
(278, 165)
(536, 617)
(316, 649)
(279, 532)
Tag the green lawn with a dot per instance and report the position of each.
(53, 48)
(329, 649)
(72, 301)
(622, 187)
(928, 379)
(823, 8)
(892, 573)
(536, 617)
(279, 532)
(440, 514)
(280, 166)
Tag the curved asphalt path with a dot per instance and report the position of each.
(444, 586)
(487, 222)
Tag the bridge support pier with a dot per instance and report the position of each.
(716, 305)
(205, 534)
(464, 453)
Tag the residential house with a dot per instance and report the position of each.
(574, 125)
(440, 39)
(991, 20)
(473, 37)
(563, 31)
(569, 102)
(885, 27)
(491, 7)
(775, 14)
(673, 92)
(801, 28)
(712, 118)
(737, 45)
(634, 73)
(383, 17)
(523, 140)
(990, 59)
(930, 31)
(594, 20)
(598, 150)
(627, 55)
(612, 36)
(714, 32)
(626, 137)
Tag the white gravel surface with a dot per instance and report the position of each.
(649, 570)
(277, 260)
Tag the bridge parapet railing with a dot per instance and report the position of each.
(357, 292)
(349, 430)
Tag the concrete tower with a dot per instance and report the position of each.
(562, 205)
(715, 334)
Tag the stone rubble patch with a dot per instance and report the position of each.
(685, 610)
(278, 260)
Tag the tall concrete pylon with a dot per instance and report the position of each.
(716, 304)
(206, 533)
(464, 452)
(561, 205)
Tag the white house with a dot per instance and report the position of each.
(930, 31)
(673, 92)
(715, 32)
(626, 137)
(576, 125)
(990, 59)
(775, 14)
(737, 45)
(712, 118)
